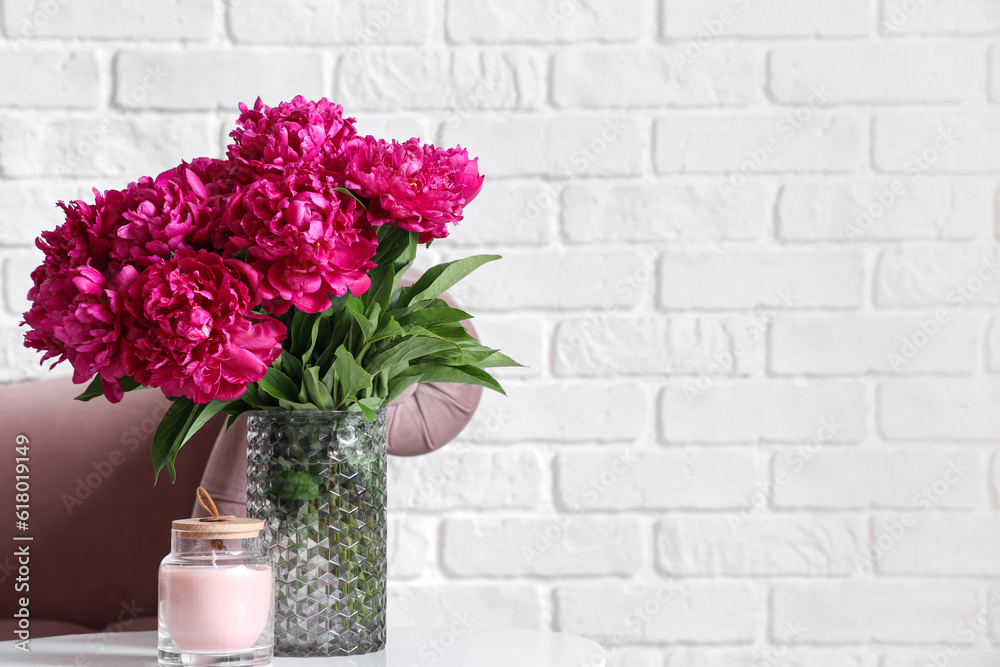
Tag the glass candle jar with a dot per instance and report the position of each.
(216, 595)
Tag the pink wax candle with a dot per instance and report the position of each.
(215, 609)
(216, 594)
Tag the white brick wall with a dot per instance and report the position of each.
(751, 260)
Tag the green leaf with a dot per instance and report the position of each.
(440, 278)
(318, 392)
(279, 385)
(453, 374)
(398, 385)
(369, 406)
(93, 390)
(426, 316)
(355, 196)
(96, 387)
(496, 360)
(357, 310)
(407, 349)
(168, 432)
(314, 333)
(291, 366)
(351, 377)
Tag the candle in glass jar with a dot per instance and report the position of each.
(217, 609)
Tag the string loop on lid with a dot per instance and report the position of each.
(214, 511)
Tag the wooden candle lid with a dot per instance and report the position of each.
(216, 529)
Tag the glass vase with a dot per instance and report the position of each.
(318, 480)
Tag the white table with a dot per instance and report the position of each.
(406, 647)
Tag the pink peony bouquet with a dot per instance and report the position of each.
(269, 280)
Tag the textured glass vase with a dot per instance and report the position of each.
(318, 480)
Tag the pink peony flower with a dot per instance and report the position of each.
(270, 139)
(189, 328)
(178, 210)
(76, 316)
(422, 187)
(308, 239)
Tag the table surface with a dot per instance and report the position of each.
(406, 647)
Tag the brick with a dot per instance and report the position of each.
(359, 23)
(995, 74)
(856, 612)
(109, 146)
(774, 18)
(28, 209)
(876, 73)
(544, 21)
(937, 544)
(722, 77)
(462, 82)
(635, 479)
(465, 605)
(214, 79)
(408, 547)
(938, 17)
(565, 147)
(400, 126)
(72, 79)
(17, 268)
(520, 338)
(705, 545)
(968, 657)
(949, 276)
(532, 278)
(939, 409)
(602, 346)
(755, 411)
(110, 19)
(602, 412)
(463, 478)
(879, 478)
(662, 211)
(945, 342)
(777, 655)
(936, 143)
(562, 545)
(993, 346)
(634, 656)
(894, 209)
(509, 213)
(796, 141)
(695, 612)
(769, 279)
